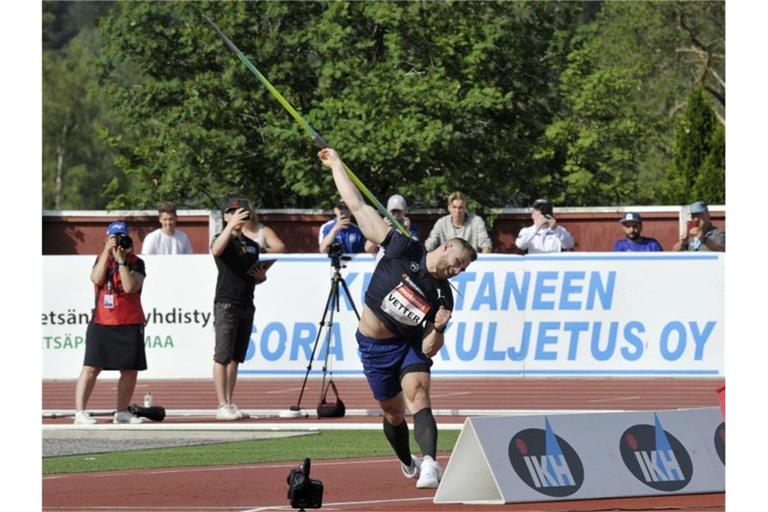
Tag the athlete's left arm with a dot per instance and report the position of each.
(434, 336)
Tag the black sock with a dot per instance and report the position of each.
(397, 435)
(425, 431)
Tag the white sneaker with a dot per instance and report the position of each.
(84, 418)
(225, 412)
(412, 470)
(430, 473)
(127, 417)
(240, 414)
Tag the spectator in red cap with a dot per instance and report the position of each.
(634, 241)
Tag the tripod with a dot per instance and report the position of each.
(331, 304)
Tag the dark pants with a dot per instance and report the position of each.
(233, 325)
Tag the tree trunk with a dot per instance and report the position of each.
(60, 151)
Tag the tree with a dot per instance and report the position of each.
(76, 163)
(710, 183)
(419, 98)
(698, 172)
(626, 79)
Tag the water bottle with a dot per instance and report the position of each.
(148, 399)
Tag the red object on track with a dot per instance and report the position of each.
(721, 398)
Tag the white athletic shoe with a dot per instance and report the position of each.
(225, 412)
(430, 473)
(127, 417)
(413, 470)
(240, 414)
(84, 418)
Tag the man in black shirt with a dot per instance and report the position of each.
(407, 306)
(236, 256)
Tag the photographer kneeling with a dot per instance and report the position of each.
(115, 336)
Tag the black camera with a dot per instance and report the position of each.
(123, 241)
(335, 250)
(544, 206)
(302, 491)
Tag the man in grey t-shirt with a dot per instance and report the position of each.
(459, 224)
(701, 235)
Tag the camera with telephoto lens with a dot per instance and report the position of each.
(302, 491)
(123, 241)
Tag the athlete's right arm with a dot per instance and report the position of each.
(368, 219)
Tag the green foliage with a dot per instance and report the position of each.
(505, 101)
(419, 98)
(630, 69)
(698, 171)
(710, 183)
(76, 163)
(323, 445)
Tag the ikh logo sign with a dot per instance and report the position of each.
(656, 457)
(720, 442)
(546, 462)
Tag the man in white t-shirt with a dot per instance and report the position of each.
(545, 234)
(167, 239)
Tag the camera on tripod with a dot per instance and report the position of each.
(336, 253)
(302, 491)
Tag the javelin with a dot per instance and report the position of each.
(313, 134)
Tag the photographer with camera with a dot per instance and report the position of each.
(545, 235)
(700, 234)
(343, 231)
(115, 336)
(407, 307)
(236, 256)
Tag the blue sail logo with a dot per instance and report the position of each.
(546, 462)
(656, 457)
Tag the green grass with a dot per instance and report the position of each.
(327, 444)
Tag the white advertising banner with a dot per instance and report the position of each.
(571, 314)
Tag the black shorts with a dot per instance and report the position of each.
(115, 347)
(233, 325)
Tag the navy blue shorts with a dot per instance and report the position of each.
(385, 362)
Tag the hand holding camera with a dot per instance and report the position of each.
(694, 228)
(238, 218)
(343, 219)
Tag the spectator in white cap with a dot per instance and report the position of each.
(397, 206)
(700, 234)
(632, 224)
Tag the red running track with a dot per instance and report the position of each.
(535, 394)
(370, 484)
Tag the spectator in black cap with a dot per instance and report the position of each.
(342, 230)
(236, 256)
(545, 235)
(701, 235)
(633, 241)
